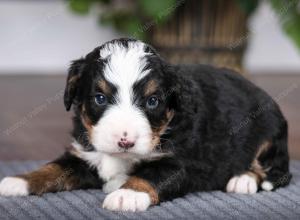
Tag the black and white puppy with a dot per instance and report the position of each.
(146, 131)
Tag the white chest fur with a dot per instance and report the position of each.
(107, 166)
(113, 170)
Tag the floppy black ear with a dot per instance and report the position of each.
(175, 96)
(73, 79)
(174, 86)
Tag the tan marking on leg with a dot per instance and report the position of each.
(141, 185)
(49, 178)
(263, 148)
(256, 168)
(254, 175)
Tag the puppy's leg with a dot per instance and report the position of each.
(269, 169)
(277, 161)
(66, 173)
(151, 183)
(248, 181)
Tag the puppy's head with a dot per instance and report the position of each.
(125, 97)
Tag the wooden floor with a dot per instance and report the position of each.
(35, 125)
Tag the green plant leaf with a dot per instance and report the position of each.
(155, 9)
(124, 21)
(80, 6)
(133, 28)
(292, 28)
(103, 1)
(248, 5)
(289, 18)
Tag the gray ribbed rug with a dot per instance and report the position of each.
(282, 204)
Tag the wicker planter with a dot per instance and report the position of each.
(204, 31)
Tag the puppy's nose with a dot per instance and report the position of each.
(124, 143)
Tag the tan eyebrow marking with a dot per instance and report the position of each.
(103, 85)
(151, 87)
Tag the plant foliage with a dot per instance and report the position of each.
(289, 14)
(140, 15)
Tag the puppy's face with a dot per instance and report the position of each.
(125, 100)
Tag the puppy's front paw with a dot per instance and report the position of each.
(114, 184)
(244, 184)
(127, 200)
(13, 186)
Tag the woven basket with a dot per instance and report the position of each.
(203, 31)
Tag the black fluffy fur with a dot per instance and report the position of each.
(223, 118)
(220, 121)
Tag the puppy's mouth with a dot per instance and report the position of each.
(125, 154)
(122, 152)
(134, 156)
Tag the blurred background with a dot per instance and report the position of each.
(39, 38)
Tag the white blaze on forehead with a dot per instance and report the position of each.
(125, 66)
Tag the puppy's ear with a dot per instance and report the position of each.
(175, 96)
(73, 80)
(174, 86)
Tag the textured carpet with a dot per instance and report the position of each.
(282, 204)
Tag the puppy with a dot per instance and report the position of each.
(146, 132)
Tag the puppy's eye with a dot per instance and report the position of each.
(152, 102)
(100, 99)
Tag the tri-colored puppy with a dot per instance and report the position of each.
(146, 131)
